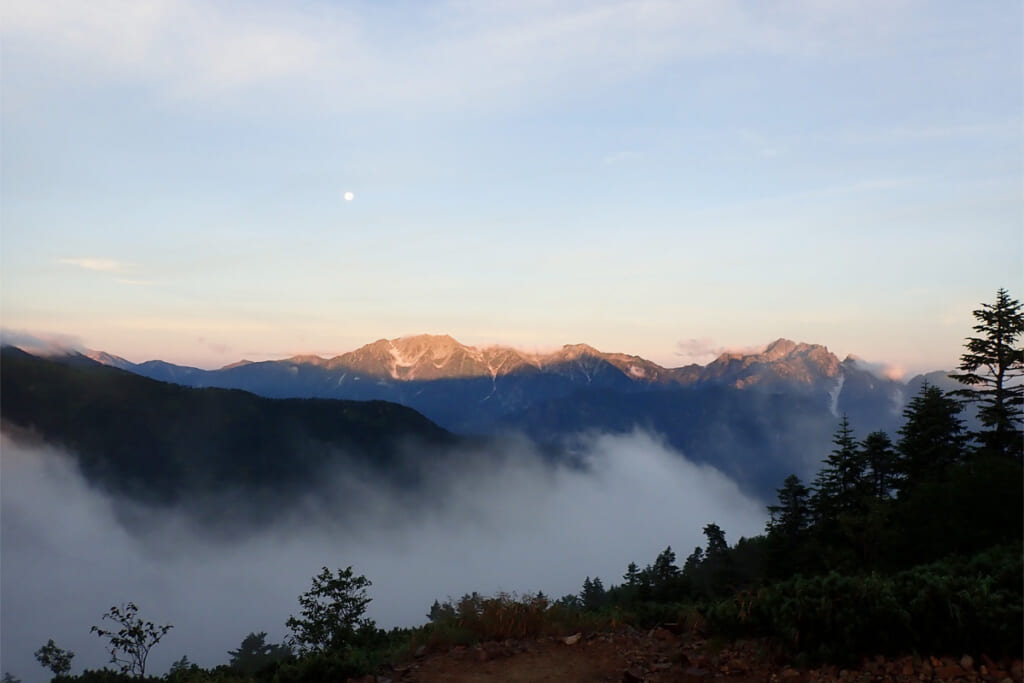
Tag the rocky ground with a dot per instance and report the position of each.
(661, 655)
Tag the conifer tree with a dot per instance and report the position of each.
(717, 547)
(931, 439)
(693, 562)
(841, 477)
(592, 595)
(665, 568)
(665, 575)
(787, 528)
(632, 575)
(792, 515)
(879, 458)
(989, 370)
(717, 570)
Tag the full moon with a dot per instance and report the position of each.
(349, 196)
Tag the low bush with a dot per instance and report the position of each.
(956, 605)
(506, 616)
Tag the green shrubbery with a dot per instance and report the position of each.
(955, 605)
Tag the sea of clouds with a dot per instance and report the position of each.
(511, 521)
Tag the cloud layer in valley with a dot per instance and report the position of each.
(508, 522)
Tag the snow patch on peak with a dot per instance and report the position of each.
(397, 359)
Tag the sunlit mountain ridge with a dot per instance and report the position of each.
(757, 415)
(431, 357)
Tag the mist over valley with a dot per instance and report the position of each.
(503, 521)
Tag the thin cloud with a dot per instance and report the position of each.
(44, 343)
(101, 264)
(890, 371)
(704, 350)
(216, 347)
(697, 350)
(461, 53)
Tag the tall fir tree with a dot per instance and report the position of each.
(931, 439)
(665, 569)
(791, 517)
(990, 370)
(593, 594)
(717, 547)
(632, 575)
(694, 561)
(841, 478)
(787, 529)
(879, 458)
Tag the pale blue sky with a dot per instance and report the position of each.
(629, 174)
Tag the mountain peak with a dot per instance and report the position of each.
(781, 360)
(780, 348)
(104, 358)
(445, 339)
(577, 350)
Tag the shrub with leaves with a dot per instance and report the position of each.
(255, 654)
(955, 605)
(54, 658)
(130, 644)
(332, 613)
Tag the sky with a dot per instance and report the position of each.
(204, 182)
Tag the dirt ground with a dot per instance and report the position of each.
(661, 656)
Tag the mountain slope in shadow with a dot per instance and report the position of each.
(162, 442)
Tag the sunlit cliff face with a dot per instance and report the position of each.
(782, 360)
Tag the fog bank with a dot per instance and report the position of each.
(506, 522)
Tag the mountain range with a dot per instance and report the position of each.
(758, 416)
(432, 357)
(423, 371)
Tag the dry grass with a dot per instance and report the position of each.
(506, 616)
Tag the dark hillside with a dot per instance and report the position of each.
(157, 440)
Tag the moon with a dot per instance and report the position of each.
(349, 196)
